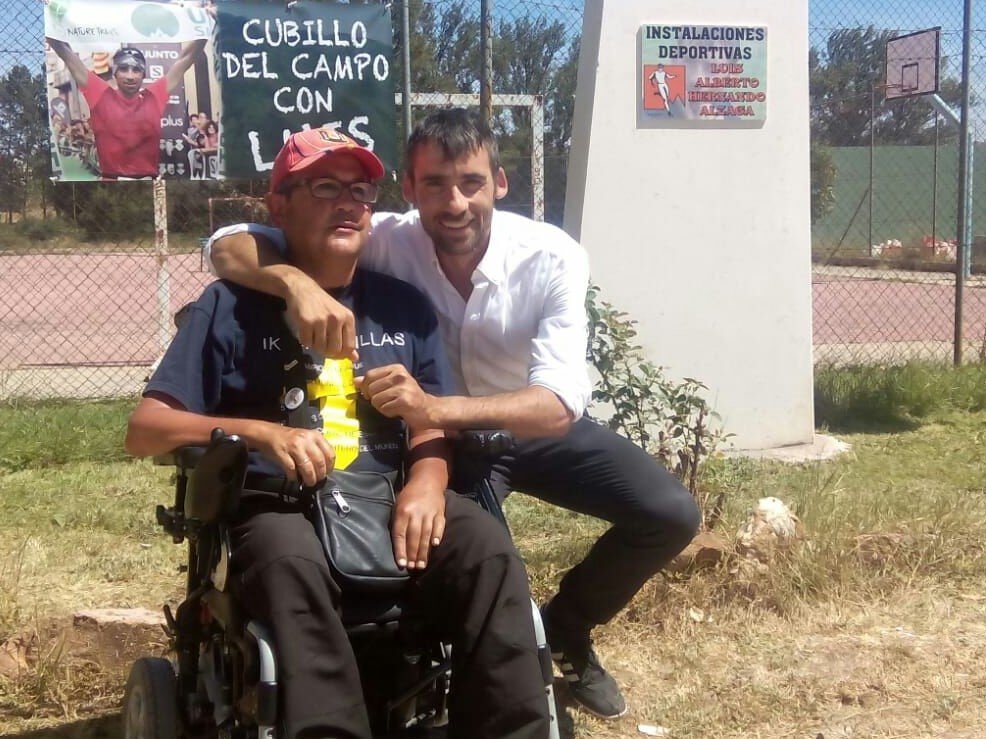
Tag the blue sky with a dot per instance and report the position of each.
(828, 15)
(20, 37)
(906, 16)
(21, 34)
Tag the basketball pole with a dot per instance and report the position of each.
(964, 216)
(963, 226)
(900, 53)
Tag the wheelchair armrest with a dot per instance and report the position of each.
(185, 457)
(215, 475)
(481, 447)
(484, 443)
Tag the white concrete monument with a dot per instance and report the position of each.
(688, 183)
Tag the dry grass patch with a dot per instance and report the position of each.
(874, 627)
(910, 666)
(72, 537)
(84, 535)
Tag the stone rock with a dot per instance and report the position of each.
(103, 617)
(117, 636)
(13, 656)
(706, 550)
(878, 550)
(770, 527)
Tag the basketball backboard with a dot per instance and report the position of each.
(912, 64)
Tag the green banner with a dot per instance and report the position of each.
(283, 68)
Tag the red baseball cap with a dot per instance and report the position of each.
(306, 148)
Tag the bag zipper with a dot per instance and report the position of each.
(341, 504)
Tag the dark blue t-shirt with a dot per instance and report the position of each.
(230, 355)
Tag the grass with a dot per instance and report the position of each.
(34, 435)
(875, 627)
(895, 397)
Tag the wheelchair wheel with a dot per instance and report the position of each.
(150, 702)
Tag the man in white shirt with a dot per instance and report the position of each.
(510, 297)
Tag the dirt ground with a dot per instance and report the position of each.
(910, 666)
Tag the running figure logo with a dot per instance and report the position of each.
(662, 86)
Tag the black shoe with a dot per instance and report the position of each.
(588, 682)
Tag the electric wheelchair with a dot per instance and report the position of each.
(222, 678)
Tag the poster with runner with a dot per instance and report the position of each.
(193, 89)
(129, 90)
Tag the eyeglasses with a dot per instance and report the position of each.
(325, 188)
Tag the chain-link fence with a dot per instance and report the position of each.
(88, 284)
(885, 194)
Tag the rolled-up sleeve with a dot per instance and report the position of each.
(274, 234)
(558, 351)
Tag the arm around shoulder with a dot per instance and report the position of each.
(251, 259)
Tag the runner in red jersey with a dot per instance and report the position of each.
(126, 120)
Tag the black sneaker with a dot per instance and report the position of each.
(588, 682)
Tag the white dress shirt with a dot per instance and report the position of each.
(524, 323)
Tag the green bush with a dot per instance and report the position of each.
(671, 420)
(189, 211)
(41, 229)
(107, 210)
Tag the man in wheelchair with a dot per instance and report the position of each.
(233, 365)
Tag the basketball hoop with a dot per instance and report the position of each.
(912, 64)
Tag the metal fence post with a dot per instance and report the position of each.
(406, 43)
(872, 163)
(486, 51)
(163, 273)
(537, 157)
(963, 250)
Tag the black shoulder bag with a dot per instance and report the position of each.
(353, 515)
(353, 509)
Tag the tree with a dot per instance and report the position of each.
(846, 88)
(532, 55)
(559, 115)
(23, 137)
(559, 112)
(444, 48)
(528, 53)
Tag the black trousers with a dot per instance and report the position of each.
(595, 471)
(473, 593)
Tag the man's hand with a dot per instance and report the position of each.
(322, 323)
(419, 524)
(393, 392)
(302, 453)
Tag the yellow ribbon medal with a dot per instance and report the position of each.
(336, 394)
